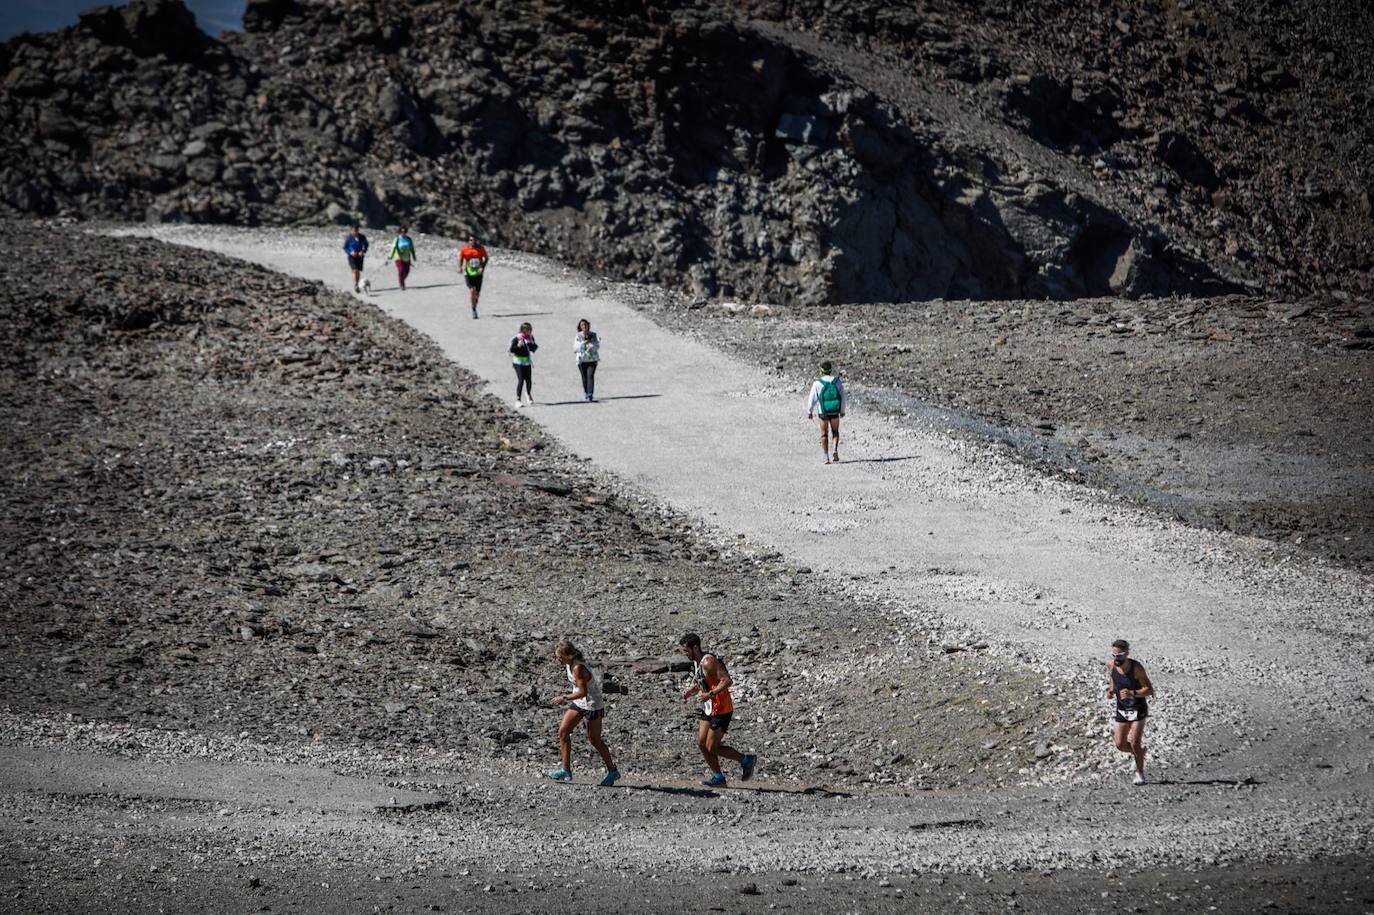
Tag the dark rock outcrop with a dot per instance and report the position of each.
(1241, 130)
(645, 141)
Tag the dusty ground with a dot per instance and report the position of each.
(1247, 415)
(164, 821)
(282, 553)
(158, 821)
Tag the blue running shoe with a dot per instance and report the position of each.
(561, 775)
(610, 778)
(717, 780)
(747, 763)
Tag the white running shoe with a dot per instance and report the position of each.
(1139, 779)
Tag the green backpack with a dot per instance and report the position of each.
(829, 399)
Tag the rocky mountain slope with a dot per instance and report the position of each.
(732, 149)
(1244, 125)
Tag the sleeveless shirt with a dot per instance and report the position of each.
(593, 700)
(723, 703)
(1127, 680)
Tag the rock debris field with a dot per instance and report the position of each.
(283, 577)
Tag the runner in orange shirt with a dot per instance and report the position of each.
(711, 685)
(472, 261)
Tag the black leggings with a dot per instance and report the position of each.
(588, 370)
(524, 379)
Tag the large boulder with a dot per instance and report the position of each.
(1183, 156)
(105, 23)
(265, 15)
(164, 27)
(1064, 115)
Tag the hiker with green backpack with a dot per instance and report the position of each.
(828, 399)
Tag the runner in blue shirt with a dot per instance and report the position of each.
(355, 246)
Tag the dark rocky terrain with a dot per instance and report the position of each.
(750, 149)
(1245, 126)
(1329, 887)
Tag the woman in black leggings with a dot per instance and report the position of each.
(522, 346)
(588, 348)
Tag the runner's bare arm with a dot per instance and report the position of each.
(1147, 688)
(717, 671)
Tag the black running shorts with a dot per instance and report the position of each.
(355, 261)
(718, 722)
(474, 280)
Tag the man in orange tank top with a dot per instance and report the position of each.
(711, 686)
(472, 263)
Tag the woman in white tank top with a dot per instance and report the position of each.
(586, 703)
(592, 701)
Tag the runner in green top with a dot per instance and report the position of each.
(403, 253)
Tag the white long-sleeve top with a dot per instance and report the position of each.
(813, 403)
(587, 347)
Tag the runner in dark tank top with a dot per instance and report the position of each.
(1129, 686)
(1134, 707)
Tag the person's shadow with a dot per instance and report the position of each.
(1228, 782)
(707, 793)
(878, 460)
(568, 403)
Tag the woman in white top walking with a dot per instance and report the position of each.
(586, 703)
(587, 345)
